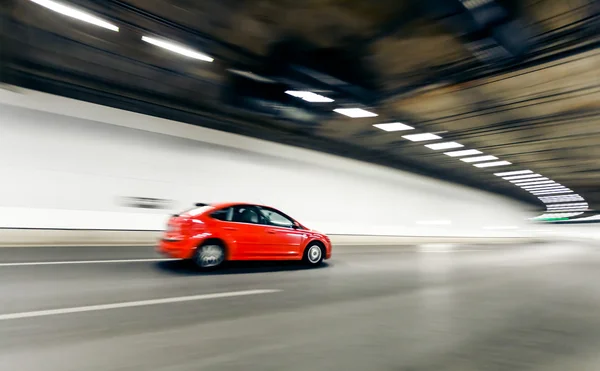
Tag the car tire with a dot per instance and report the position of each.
(210, 255)
(314, 254)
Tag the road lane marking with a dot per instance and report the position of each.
(130, 304)
(86, 262)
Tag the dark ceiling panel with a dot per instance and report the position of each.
(540, 111)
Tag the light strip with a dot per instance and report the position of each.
(523, 182)
(556, 190)
(509, 173)
(77, 14)
(309, 96)
(421, 137)
(176, 48)
(570, 204)
(529, 176)
(541, 186)
(561, 199)
(556, 185)
(560, 206)
(550, 192)
(355, 112)
(445, 145)
(491, 164)
(479, 159)
(578, 208)
(393, 126)
(545, 188)
(466, 152)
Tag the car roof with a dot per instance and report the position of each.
(220, 205)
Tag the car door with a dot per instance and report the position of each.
(242, 228)
(283, 238)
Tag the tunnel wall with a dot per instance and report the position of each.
(69, 164)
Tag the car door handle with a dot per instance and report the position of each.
(230, 228)
(271, 231)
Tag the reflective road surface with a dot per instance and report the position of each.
(454, 308)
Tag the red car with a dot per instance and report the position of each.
(212, 234)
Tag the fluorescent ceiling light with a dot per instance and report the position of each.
(547, 186)
(522, 182)
(522, 177)
(444, 145)
(550, 192)
(545, 189)
(176, 48)
(558, 190)
(574, 208)
(541, 186)
(421, 137)
(393, 126)
(309, 96)
(466, 152)
(77, 14)
(519, 172)
(491, 164)
(251, 75)
(553, 184)
(557, 199)
(479, 158)
(355, 112)
(539, 190)
(569, 205)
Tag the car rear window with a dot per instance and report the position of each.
(197, 210)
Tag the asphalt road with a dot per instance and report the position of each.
(454, 308)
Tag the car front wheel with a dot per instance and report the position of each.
(313, 255)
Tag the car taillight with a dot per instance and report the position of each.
(179, 226)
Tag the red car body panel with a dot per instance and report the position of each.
(243, 241)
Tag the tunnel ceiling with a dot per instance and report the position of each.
(523, 84)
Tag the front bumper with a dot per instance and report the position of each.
(328, 249)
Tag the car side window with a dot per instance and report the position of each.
(275, 218)
(245, 214)
(225, 215)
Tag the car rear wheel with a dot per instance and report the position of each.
(209, 255)
(313, 255)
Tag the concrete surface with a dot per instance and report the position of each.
(431, 307)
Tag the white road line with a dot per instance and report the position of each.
(129, 304)
(86, 262)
